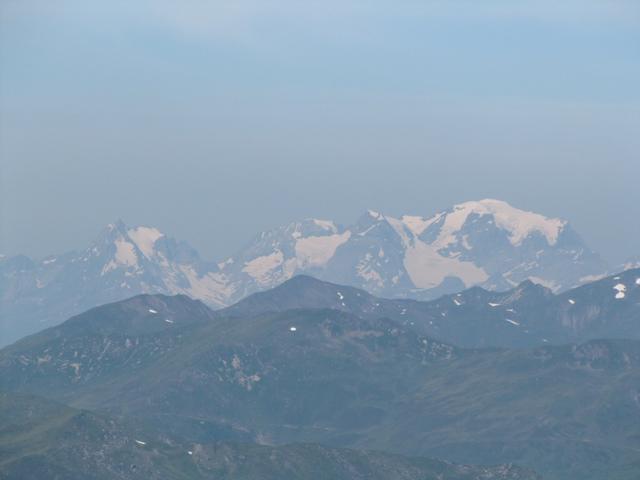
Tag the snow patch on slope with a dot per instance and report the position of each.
(125, 256)
(210, 287)
(620, 288)
(145, 238)
(125, 253)
(366, 271)
(326, 225)
(317, 251)
(260, 267)
(417, 224)
(550, 284)
(375, 215)
(427, 268)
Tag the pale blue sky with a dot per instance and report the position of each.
(213, 120)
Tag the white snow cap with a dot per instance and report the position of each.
(519, 223)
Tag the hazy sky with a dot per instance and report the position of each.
(214, 120)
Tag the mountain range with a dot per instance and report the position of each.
(310, 362)
(528, 315)
(486, 243)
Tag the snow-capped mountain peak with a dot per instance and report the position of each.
(487, 243)
(125, 248)
(276, 255)
(520, 224)
(326, 224)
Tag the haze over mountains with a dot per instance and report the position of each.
(362, 303)
(486, 243)
(312, 379)
(317, 362)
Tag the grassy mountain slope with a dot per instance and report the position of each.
(42, 439)
(352, 378)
